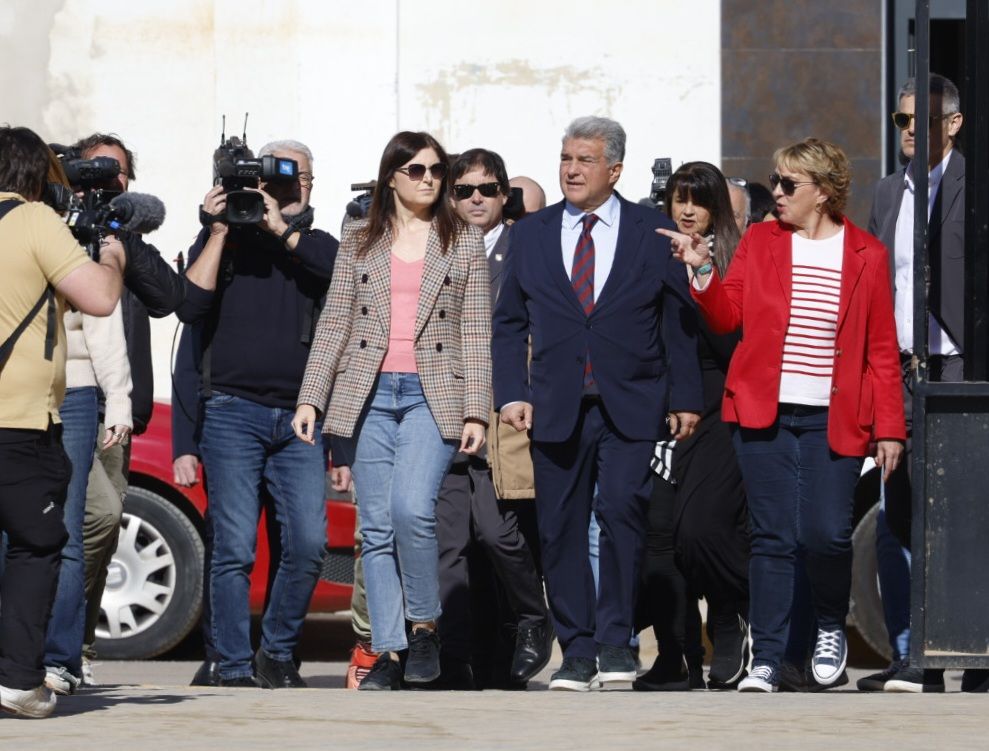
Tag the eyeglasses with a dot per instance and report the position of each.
(418, 171)
(904, 120)
(306, 179)
(788, 185)
(741, 182)
(463, 191)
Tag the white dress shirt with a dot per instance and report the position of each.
(604, 232)
(939, 341)
(491, 237)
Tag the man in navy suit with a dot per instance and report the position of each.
(614, 369)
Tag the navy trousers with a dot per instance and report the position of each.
(565, 474)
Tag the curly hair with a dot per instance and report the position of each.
(826, 164)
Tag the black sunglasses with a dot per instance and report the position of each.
(789, 186)
(463, 191)
(902, 120)
(418, 171)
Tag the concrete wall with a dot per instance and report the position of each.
(343, 77)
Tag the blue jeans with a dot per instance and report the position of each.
(66, 628)
(400, 460)
(800, 497)
(242, 443)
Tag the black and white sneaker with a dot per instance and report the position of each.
(830, 656)
(878, 681)
(731, 651)
(575, 674)
(912, 680)
(616, 664)
(763, 679)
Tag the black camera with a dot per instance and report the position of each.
(236, 168)
(662, 170)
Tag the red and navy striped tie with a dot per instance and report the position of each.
(582, 278)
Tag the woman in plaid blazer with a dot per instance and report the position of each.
(402, 356)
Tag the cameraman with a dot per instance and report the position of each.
(153, 290)
(41, 267)
(266, 285)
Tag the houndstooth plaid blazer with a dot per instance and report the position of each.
(452, 333)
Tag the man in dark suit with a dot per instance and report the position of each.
(468, 509)
(892, 221)
(614, 347)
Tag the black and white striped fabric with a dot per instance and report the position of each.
(662, 460)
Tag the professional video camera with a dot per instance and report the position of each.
(361, 205)
(662, 170)
(100, 208)
(236, 169)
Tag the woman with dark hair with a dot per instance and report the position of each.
(402, 356)
(814, 382)
(698, 536)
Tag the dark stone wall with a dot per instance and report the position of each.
(797, 68)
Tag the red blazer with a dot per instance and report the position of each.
(866, 389)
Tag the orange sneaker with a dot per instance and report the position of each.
(362, 659)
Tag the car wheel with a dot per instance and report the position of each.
(866, 606)
(154, 589)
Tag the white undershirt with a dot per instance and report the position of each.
(808, 350)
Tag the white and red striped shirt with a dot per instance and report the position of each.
(808, 350)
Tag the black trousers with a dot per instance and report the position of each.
(34, 477)
(468, 512)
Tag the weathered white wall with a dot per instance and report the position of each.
(344, 76)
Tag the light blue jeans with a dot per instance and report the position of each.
(399, 462)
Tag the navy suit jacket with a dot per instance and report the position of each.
(641, 334)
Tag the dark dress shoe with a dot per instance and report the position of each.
(533, 647)
(455, 675)
(244, 681)
(801, 680)
(276, 673)
(975, 681)
(207, 675)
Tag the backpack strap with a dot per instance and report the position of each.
(48, 296)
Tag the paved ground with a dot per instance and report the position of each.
(144, 705)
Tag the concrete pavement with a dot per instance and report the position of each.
(145, 705)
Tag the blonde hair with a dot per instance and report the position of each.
(826, 164)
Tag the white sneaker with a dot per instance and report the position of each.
(762, 679)
(37, 702)
(830, 656)
(88, 677)
(60, 680)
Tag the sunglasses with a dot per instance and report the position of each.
(788, 185)
(904, 120)
(463, 191)
(418, 171)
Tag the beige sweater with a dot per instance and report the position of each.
(97, 356)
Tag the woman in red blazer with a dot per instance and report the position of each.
(814, 382)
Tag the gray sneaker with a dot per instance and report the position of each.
(830, 656)
(60, 680)
(36, 702)
(575, 674)
(763, 679)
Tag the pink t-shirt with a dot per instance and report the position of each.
(405, 281)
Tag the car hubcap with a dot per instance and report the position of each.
(140, 581)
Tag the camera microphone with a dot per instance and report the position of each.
(137, 212)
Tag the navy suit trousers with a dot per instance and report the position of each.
(566, 473)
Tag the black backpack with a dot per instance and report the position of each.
(48, 296)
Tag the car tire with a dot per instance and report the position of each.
(866, 606)
(154, 592)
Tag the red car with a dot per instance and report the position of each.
(154, 592)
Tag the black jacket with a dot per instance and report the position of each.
(155, 289)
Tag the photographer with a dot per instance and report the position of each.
(265, 283)
(41, 267)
